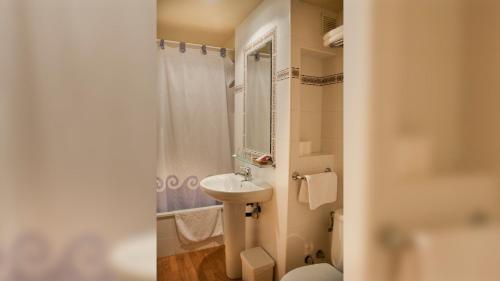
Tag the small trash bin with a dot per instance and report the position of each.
(257, 265)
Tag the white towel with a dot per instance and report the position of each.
(318, 189)
(335, 31)
(199, 224)
(333, 39)
(335, 35)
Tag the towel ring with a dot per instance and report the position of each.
(297, 176)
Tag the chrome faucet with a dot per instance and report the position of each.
(246, 172)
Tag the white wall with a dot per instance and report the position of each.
(317, 113)
(417, 90)
(289, 230)
(271, 228)
(77, 125)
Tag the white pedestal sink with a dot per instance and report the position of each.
(235, 192)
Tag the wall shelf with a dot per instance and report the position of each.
(316, 154)
(251, 162)
(320, 101)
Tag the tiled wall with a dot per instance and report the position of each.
(332, 110)
(311, 100)
(321, 93)
(316, 114)
(286, 229)
(270, 229)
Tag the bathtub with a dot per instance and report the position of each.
(168, 243)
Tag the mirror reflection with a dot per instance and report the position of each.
(258, 99)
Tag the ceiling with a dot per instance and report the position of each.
(209, 22)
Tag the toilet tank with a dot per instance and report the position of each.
(337, 249)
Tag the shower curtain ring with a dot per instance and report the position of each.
(182, 47)
(162, 44)
(223, 52)
(204, 49)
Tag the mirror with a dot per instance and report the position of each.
(259, 99)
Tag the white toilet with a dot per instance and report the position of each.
(324, 271)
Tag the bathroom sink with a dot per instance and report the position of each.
(235, 192)
(233, 188)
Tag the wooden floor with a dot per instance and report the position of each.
(203, 265)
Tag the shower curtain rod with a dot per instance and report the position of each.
(194, 45)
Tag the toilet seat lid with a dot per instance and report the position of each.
(315, 272)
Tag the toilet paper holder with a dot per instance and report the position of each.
(297, 176)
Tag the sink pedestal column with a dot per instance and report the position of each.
(234, 237)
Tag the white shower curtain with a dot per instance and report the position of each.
(194, 135)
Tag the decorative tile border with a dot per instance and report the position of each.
(238, 89)
(268, 36)
(322, 81)
(295, 72)
(334, 79)
(283, 74)
(262, 39)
